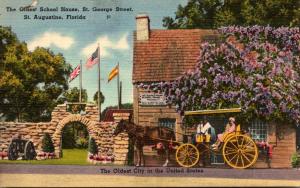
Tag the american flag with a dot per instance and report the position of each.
(75, 73)
(92, 60)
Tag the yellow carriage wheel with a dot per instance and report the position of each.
(187, 155)
(240, 151)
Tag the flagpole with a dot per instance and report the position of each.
(80, 82)
(99, 84)
(118, 85)
(120, 101)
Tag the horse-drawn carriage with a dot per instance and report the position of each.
(238, 148)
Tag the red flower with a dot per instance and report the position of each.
(98, 158)
(270, 151)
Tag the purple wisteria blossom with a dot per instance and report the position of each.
(256, 68)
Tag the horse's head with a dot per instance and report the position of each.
(121, 126)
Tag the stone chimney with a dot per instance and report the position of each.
(142, 27)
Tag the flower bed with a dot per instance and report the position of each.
(100, 159)
(3, 155)
(45, 155)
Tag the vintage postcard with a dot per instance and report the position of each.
(149, 93)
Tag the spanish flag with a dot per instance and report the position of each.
(113, 73)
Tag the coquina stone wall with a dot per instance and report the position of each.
(108, 145)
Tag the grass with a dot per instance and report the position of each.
(70, 157)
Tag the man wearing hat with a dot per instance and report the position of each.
(203, 127)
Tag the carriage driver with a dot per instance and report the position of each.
(205, 128)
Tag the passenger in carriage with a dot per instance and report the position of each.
(230, 127)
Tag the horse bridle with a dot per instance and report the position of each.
(131, 130)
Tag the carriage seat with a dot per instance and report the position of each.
(200, 138)
(237, 132)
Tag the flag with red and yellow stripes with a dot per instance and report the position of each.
(113, 73)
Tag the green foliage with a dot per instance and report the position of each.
(93, 149)
(74, 135)
(215, 13)
(30, 82)
(68, 139)
(196, 14)
(295, 160)
(102, 98)
(72, 95)
(47, 144)
(81, 143)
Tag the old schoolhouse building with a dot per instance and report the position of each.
(163, 55)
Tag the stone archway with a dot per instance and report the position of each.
(100, 131)
(93, 130)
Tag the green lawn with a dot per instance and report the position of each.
(70, 157)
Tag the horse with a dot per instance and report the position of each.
(145, 135)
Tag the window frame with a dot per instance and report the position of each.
(166, 123)
(258, 130)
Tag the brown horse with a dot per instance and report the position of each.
(144, 135)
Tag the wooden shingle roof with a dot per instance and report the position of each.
(167, 54)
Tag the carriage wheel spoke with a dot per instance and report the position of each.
(241, 156)
(188, 161)
(229, 153)
(185, 149)
(230, 148)
(237, 141)
(243, 139)
(233, 157)
(249, 154)
(233, 145)
(249, 150)
(237, 159)
(246, 157)
(249, 143)
(190, 152)
(194, 157)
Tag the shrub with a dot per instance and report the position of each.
(295, 160)
(47, 144)
(68, 140)
(93, 149)
(81, 143)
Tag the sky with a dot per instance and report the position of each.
(77, 39)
